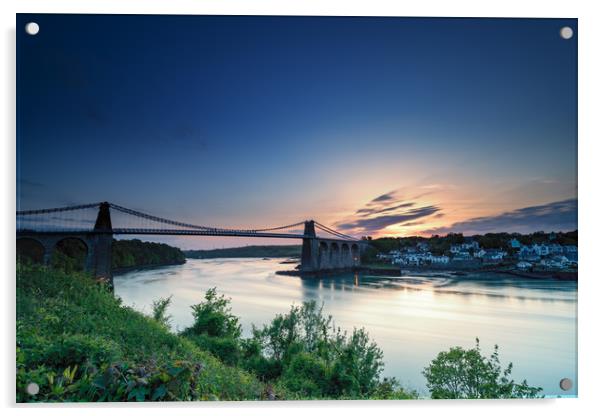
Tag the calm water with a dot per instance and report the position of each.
(411, 318)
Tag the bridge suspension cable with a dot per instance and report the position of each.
(159, 219)
(297, 224)
(333, 232)
(130, 229)
(52, 210)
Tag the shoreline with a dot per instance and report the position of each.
(434, 272)
(388, 271)
(123, 270)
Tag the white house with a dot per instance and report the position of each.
(437, 259)
(494, 256)
(541, 250)
(528, 253)
(480, 253)
(569, 249)
(462, 255)
(555, 248)
(514, 243)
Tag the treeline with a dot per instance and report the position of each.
(70, 254)
(247, 251)
(441, 244)
(136, 253)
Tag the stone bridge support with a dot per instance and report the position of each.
(325, 254)
(99, 245)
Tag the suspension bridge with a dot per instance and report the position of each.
(95, 225)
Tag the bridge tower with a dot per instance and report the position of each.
(100, 248)
(310, 250)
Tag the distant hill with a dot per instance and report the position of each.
(247, 251)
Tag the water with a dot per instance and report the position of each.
(410, 318)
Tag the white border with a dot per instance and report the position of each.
(590, 136)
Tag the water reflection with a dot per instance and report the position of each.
(412, 318)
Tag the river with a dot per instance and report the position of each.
(534, 322)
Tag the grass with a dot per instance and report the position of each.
(78, 342)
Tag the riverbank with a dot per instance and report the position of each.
(395, 271)
(123, 270)
(288, 251)
(78, 342)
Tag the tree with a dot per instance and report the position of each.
(159, 308)
(312, 357)
(467, 374)
(214, 317)
(215, 328)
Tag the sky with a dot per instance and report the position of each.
(373, 126)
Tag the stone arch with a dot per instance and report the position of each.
(30, 250)
(71, 254)
(335, 256)
(345, 255)
(355, 254)
(323, 256)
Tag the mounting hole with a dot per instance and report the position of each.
(566, 384)
(32, 28)
(33, 389)
(566, 32)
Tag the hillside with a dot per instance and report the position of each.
(78, 343)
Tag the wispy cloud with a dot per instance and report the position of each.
(368, 211)
(378, 223)
(385, 197)
(392, 208)
(555, 216)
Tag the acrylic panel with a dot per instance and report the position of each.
(292, 208)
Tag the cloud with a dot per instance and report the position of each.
(385, 197)
(555, 216)
(368, 211)
(374, 224)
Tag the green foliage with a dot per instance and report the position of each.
(247, 251)
(215, 328)
(467, 374)
(69, 255)
(226, 348)
(159, 314)
(213, 317)
(310, 357)
(134, 253)
(78, 343)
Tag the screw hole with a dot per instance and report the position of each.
(32, 28)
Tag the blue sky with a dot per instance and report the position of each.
(258, 121)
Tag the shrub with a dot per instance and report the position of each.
(214, 318)
(313, 357)
(467, 374)
(227, 349)
(159, 308)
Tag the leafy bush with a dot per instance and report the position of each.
(227, 349)
(467, 374)
(214, 318)
(312, 358)
(159, 308)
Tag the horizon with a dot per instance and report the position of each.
(375, 126)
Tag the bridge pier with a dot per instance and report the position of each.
(322, 255)
(99, 245)
(310, 249)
